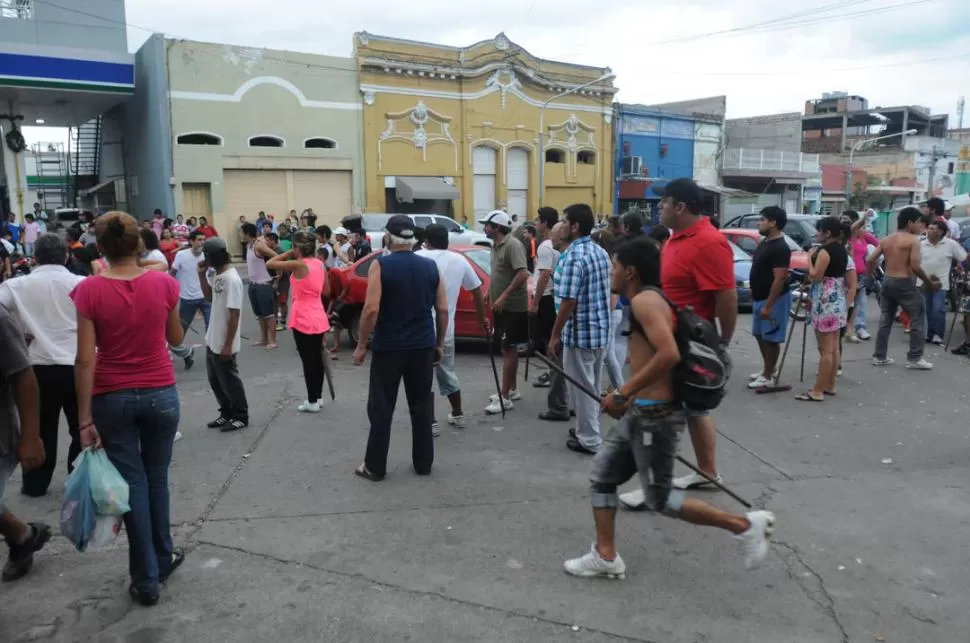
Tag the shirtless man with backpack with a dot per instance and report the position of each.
(651, 419)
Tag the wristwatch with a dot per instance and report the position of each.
(619, 397)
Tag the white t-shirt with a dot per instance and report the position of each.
(156, 255)
(186, 269)
(936, 260)
(954, 229)
(546, 259)
(456, 273)
(227, 294)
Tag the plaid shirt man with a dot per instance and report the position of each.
(585, 277)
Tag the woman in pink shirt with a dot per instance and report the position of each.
(308, 319)
(126, 397)
(859, 243)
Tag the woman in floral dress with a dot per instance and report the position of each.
(828, 263)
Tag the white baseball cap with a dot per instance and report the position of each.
(341, 230)
(497, 217)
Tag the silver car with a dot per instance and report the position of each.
(374, 224)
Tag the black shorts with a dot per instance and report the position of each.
(262, 299)
(283, 286)
(512, 329)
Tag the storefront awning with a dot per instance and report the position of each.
(412, 188)
(724, 191)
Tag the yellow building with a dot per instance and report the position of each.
(456, 130)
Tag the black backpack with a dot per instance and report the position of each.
(700, 378)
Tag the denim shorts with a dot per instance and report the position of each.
(773, 329)
(263, 300)
(643, 442)
(448, 383)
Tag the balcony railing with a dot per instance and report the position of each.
(17, 9)
(756, 160)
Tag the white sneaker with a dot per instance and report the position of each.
(754, 541)
(178, 436)
(838, 373)
(513, 395)
(457, 421)
(694, 481)
(936, 339)
(863, 334)
(755, 376)
(592, 564)
(307, 407)
(883, 362)
(435, 430)
(919, 365)
(853, 339)
(635, 500)
(759, 382)
(493, 406)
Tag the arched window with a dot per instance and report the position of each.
(265, 140)
(555, 156)
(586, 157)
(320, 143)
(198, 138)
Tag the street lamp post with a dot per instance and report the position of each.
(857, 145)
(542, 130)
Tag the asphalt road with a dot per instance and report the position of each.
(870, 490)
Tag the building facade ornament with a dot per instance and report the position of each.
(423, 127)
(504, 80)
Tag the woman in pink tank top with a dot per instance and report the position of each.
(308, 319)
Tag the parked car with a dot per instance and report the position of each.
(742, 276)
(748, 241)
(354, 277)
(800, 227)
(457, 235)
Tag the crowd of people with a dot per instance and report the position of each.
(92, 330)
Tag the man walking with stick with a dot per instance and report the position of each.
(644, 441)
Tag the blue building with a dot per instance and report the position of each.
(658, 143)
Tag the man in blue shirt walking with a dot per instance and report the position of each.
(582, 326)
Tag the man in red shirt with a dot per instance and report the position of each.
(697, 270)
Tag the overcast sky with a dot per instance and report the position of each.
(915, 53)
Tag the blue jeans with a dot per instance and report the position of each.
(187, 311)
(935, 313)
(137, 429)
(861, 307)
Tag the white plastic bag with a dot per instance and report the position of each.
(106, 529)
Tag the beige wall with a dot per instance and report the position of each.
(237, 93)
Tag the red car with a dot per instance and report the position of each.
(354, 278)
(748, 240)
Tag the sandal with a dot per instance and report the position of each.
(363, 472)
(807, 397)
(829, 393)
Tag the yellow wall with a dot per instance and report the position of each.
(487, 94)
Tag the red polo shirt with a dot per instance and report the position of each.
(697, 263)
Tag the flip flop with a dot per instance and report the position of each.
(362, 472)
(829, 393)
(805, 397)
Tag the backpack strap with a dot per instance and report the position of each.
(662, 294)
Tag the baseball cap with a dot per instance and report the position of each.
(341, 230)
(497, 217)
(216, 250)
(400, 225)
(683, 191)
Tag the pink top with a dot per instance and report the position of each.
(31, 232)
(859, 246)
(129, 322)
(306, 310)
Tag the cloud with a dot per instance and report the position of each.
(892, 51)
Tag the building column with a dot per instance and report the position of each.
(15, 169)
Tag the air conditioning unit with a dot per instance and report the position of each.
(631, 165)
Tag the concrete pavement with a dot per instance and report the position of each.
(870, 489)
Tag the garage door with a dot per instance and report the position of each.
(328, 192)
(250, 191)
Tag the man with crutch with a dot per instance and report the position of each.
(644, 441)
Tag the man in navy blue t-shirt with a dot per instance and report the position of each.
(402, 289)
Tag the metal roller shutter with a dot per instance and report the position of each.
(328, 192)
(250, 191)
